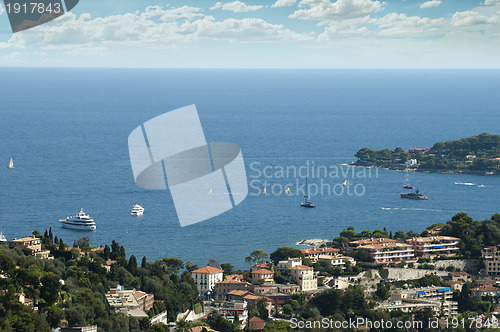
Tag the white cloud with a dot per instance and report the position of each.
(2, 9)
(345, 28)
(403, 25)
(236, 6)
(471, 17)
(284, 3)
(247, 30)
(340, 9)
(430, 4)
(491, 2)
(184, 12)
(93, 36)
(390, 25)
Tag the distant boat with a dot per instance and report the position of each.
(408, 186)
(288, 191)
(11, 164)
(210, 192)
(465, 183)
(414, 195)
(2, 237)
(264, 191)
(306, 202)
(138, 210)
(344, 183)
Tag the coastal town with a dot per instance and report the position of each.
(406, 277)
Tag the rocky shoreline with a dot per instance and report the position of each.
(401, 167)
(312, 242)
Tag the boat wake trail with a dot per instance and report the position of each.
(470, 184)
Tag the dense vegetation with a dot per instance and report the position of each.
(474, 235)
(444, 155)
(80, 298)
(70, 289)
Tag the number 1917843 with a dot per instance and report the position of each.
(34, 8)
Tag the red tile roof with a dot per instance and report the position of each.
(237, 292)
(262, 271)
(207, 270)
(486, 288)
(372, 241)
(234, 277)
(314, 251)
(301, 267)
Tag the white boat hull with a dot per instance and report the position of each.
(80, 227)
(136, 214)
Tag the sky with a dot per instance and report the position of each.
(261, 34)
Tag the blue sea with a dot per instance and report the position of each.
(67, 131)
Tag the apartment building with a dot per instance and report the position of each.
(389, 252)
(353, 245)
(434, 245)
(314, 253)
(491, 257)
(304, 277)
(221, 288)
(206, 278)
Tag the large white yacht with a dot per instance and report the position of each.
(81, 222)
(137, 210)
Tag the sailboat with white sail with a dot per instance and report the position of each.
(11, 164)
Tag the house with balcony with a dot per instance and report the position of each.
(277, 293)
(353, 245)
(206, 278)
(389, 252)
(263, 274)
(314, 253)
(338, 260)
(229, 309)
(145, 300)
(434, 245)
(124, 301)
(222, 288)
(491, 258)
(439, 299)
(283, 266)
(261, 266)
(32, 243)
(249, 298)
(304, 276)
(486, 292)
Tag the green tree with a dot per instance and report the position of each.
(228, 268)
(82, 243)
(283, 253)
(107, 252)
(256, 257)
(132, 265)
(262, 308)
(50, 288)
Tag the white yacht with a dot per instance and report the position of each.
(2, 237)
(81, 222)
(137, 210)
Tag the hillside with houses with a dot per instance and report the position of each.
(448, 272)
